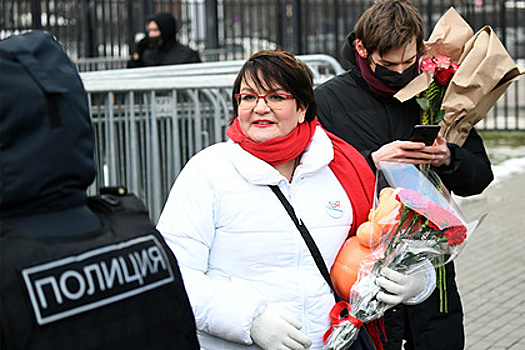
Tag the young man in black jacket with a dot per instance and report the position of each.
(160, 46)
(359, 107)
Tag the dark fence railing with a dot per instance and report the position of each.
(232, 29)
(102, 33)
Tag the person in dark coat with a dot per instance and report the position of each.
(76, 272)
(161, 47)
(358, 106)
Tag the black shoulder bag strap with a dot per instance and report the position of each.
(310, 243)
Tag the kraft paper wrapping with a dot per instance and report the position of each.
(486, 71)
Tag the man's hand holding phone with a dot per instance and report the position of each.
(415, 152)
(439, 152)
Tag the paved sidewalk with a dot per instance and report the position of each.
(491, 269)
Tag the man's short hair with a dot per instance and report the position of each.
(390, 24)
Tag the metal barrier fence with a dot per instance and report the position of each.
(149, 121)
(509, 112)
(233, 29)
(100, 63)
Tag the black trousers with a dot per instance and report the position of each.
(363, 341)
(423, 326)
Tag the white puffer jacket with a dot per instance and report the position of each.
(238, 249)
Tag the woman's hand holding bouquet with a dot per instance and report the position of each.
(414, 227)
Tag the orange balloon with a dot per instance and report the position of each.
(388, 211)
(369, 234)
(346, 266)
(386, 192)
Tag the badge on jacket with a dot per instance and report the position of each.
(333, 208)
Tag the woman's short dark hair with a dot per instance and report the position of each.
(390, 24)
(272, 69)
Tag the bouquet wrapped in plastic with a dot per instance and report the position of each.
(414, 218)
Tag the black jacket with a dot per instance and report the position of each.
(348, 108)
(170, 50)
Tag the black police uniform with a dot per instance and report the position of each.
(75, 272)
(118, 287)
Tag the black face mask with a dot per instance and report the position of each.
(394, 79)
(156, 42)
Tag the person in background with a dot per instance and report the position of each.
(76, 272)
(160, 46)
(250, 277)
(359, 107)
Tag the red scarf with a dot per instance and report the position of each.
(278, 150)
(348, 165)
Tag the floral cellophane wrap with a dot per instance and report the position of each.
(486, 71)
(426, 224)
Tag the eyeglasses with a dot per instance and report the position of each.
(273, 101)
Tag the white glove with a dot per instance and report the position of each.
(411, 288)
(274, 330)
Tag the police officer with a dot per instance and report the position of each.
(76, 272)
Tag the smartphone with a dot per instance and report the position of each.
(425, 133)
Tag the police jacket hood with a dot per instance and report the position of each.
(46, 136)
(167, 25)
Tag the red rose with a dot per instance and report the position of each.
(443, 75)
(456, 235)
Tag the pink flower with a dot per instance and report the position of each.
(442, 61)
(428, 65)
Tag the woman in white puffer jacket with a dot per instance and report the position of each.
(250, 277)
